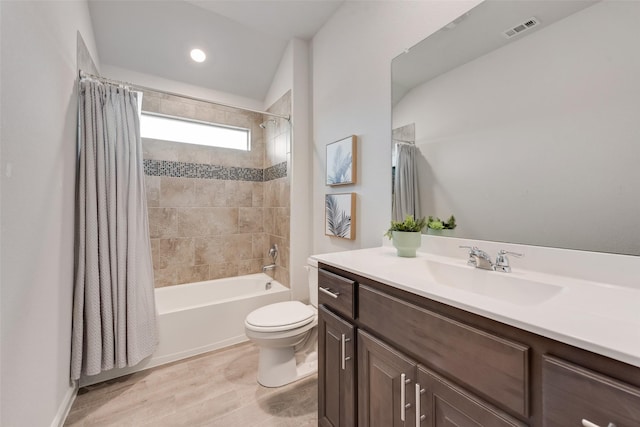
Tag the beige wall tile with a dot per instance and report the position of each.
(259, 245)
(194, 222)
(281, 222)
(239, 193)
(209, 251)
(221, 270)
(176, 192)
(223, 221)
(250, 220)
(162, 222)
(282, 276)
(152, 190)
(257, 194)
(268, 222)
(165, 276)
(250, 266)
(210, 192)
(190, 274)
(155, 253)
(175, 252)
(237, 247)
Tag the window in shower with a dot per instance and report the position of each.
(177, 129)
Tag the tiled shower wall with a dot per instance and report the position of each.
(206, 204)
(276, 186)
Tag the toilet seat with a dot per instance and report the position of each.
(281, 316)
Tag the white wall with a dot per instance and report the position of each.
(38, 134)
(351, 59)
(294, 74)
(537, 142)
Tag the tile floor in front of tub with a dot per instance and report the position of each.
(213, 389)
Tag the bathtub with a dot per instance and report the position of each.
(203, 316)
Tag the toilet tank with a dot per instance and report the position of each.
(312, 273)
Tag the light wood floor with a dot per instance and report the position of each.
(214, 389)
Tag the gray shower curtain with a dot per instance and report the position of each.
(406, 197)
(114, 315)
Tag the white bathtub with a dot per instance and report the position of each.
(202, 316)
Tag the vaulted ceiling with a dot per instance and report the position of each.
(244, 40)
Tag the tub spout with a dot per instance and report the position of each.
(268, 267)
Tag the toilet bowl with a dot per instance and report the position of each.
(286, 335)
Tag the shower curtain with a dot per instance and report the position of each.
(406, 197)
(114, 315)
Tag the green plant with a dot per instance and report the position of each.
(409, 224)
(438, 224)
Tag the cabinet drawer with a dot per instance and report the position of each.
(493, 366)
(336, 292)
(569, 393)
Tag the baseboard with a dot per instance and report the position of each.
(65, 406)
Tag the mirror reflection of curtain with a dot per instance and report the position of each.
(114, 314)
(406, 197)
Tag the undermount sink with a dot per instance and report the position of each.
(507, 287)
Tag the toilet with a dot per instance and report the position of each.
(286, 334)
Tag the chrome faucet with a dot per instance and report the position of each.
(273, 254)
(479, 258)
(502, 261)
(268, 267)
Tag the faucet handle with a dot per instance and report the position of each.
(502, 261)
(473, 250)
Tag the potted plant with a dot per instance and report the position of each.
(438, 227)
(406, 235)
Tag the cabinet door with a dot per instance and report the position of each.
(385, 382)
(444, 404)
(336, 371)
(575, 396)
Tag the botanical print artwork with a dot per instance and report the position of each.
(341, 159)
(339, 215)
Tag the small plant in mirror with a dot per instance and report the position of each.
(409, 224)
(438, 224)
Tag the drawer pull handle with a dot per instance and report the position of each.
(343, 350)
(327, 291)
(587, 423)
(419, 416)
(403, 405)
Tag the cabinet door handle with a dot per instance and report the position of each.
(587, 423)
(403, 396)
(343, 351)
(327, 291)
(419, 416)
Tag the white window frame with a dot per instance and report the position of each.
(201, 132)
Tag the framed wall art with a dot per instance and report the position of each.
(340, 215)
(341, 162)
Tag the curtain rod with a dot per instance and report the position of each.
(85, 75)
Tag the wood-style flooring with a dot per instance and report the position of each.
(213, 389)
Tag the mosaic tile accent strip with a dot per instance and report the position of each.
(275, 171)
(202, 171)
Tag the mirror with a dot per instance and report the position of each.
(534, 138)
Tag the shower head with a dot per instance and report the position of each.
(264, 124)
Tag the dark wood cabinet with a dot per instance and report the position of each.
(423, 363)
(444, 404)
(386, 381)
(336, 371)
(572, 394)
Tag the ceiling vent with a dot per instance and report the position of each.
(521, 28)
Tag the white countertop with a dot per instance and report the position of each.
(599, 317)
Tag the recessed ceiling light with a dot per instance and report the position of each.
(198, 55)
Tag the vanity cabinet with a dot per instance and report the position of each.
(385, 384)
(336, 352)
(572, 394)
(427, 364)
